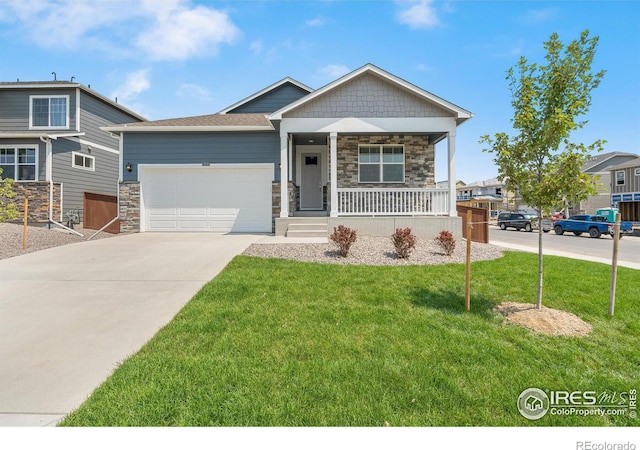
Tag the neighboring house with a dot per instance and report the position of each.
(488, 194)
(599, 166)
(625, 189)
(51, 144)
(359, 151)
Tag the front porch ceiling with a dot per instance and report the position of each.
(322, 138)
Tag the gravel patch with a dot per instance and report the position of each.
(39, 238)
(375, 251)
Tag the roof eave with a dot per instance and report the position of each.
(269, 88)
(185, 129)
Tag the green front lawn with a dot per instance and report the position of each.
(282, 343)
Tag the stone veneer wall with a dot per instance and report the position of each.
(129, 207)
(419, 160)
(38, 194)
(275, 198)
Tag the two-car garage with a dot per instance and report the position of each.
(220, 198)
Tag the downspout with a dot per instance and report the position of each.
(120, 158)
(49, 176)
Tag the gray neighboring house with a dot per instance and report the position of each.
(359, 151)
(625, 189)
(52, 145)
(599, 166)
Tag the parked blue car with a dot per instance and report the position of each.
(594, 225)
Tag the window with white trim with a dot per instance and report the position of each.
(19, 163)
(49, 111)
(381, 164)
(637, 172)
(82, 161)
(620, 178)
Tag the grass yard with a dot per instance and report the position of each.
(271, 342)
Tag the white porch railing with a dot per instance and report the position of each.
(393, 202)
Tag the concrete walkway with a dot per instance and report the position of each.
(69, 315)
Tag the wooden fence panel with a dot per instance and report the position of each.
(480, 219)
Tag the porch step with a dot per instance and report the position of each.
(308, 228)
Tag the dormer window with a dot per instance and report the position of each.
(49, 111)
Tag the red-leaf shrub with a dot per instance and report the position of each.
(446, 240)
(343, 237)
(403, 241)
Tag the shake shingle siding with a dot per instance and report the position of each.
(198, 148)
(77, 181)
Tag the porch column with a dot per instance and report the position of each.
(451, 167)
(333, 172)
(284, 173)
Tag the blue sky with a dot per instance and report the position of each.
(176, 58)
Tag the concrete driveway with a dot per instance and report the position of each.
(69, 315)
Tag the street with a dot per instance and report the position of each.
(597, 250)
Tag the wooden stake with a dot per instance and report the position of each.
(614, 265)
(24, 230)
(467, 295)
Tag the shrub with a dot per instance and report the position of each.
(343, 237)
(447, 242)
(403, 241)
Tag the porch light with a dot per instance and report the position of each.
(128, 167)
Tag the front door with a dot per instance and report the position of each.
(311, 183)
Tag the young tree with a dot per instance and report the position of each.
(540, 162)
(7, 209)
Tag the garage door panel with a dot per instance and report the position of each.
(236, 199)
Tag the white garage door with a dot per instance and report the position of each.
(219, 198)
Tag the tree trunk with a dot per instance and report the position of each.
(539, 302)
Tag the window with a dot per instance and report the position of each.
(82, 161)
(620, 178)
(381, 164)
(18, 163)
(498, 191)
(637, 172)
(49, 111)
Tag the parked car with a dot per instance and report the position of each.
(594, 225)
(522, 221)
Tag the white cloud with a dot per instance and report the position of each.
(317, 22)
(135, 83)
(184, 33)
(417, 14)
(162, 29)
(333, 71)
(195, 92)
(256, 46)
(538, 16)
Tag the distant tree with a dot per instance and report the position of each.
(539, 162)
(7, 209)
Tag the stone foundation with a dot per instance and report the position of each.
(129, 207)
(38, 194)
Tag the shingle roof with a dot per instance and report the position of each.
(210, 120)
(632, 163)
(598, 159)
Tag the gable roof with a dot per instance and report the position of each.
(210, 122)
(628, 164)
(600, 159)
(68, 85)
(461, 114)
(264, 91)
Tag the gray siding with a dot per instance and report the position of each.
(94, 114)
(76, 182)
(273, 100)
(198, 148)
(631, 181)
(616, 160)
(368, 96)
(14, 107)
(42, 152)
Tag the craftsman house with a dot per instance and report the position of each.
(359, 151)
